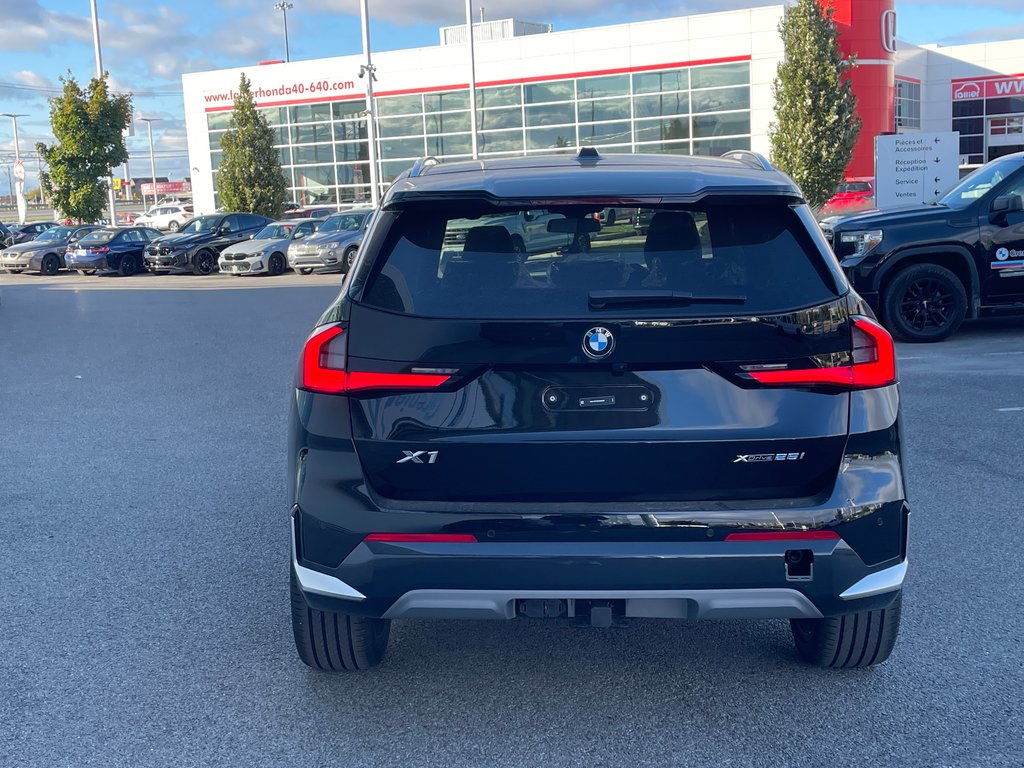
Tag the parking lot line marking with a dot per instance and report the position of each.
(1008, 410)
(994, 354)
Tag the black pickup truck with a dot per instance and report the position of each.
(926, 268)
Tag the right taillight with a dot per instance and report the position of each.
(325, 368)
(874, 364)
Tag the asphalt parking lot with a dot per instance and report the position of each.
(143, 575)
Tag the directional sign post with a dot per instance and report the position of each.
(913, 168)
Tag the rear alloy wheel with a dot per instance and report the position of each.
(850, 641)
(305, 270)
(50, 265)
(924, 302)
(336, 642)
(519, 249)
(173, 226)
(127, 266)
(203, 263)
(275, 264)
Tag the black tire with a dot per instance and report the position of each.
(276, 264)
(127, 267)
(923, 303)
(851, 641)
(610, 218)
(173, 226)
(336, 642)
(50, 265)
(349, 256)
(519, 248)
(305, 270)
(204, 262)
(582, 243)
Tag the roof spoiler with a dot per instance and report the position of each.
(752, 159)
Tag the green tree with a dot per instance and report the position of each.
(249, 177)
(89, 128)
(816, 127)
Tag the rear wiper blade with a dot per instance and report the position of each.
(640, 298)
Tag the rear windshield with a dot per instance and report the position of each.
(543, 263)
(99, 236)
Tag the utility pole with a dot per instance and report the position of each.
(368, 71)
(20, 168)
(152, 158)
(99, 76)
(472, 78)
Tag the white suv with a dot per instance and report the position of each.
(165, 217)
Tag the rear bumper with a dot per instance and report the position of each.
(696, 579)
(86, 262)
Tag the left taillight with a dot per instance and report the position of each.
(325, 368)
(873, 364)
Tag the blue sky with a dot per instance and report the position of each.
(147, 46)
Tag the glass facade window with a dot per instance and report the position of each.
(908, 105)
(448, 122)
(551, 138)
(596, 87)
(661, 82)
(493, 119)
(400, 105)
(720, 74)
(411, 125)
(501, 141)
(559, 90)
(720, 99)
(662, 104)
(323, 146)
(604, 109)
(550, 114)
(446, 101)
(501, 96)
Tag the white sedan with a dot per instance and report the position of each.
(265, 252)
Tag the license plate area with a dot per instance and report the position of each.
(627, 398)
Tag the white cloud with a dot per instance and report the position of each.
(446, 13)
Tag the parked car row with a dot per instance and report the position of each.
(231, 243)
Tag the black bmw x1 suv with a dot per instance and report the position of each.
(698, 422)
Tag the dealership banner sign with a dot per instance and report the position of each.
(987, 87)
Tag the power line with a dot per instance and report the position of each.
(55, 91)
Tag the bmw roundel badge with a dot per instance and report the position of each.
(598, 342)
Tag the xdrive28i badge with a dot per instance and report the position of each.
(598, 342)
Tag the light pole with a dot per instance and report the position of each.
(472, 78)
(368, 71)
(99, 76)
(17, 162)
(152, 159)
(284, 8)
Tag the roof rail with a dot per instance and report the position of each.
(421, 165)
(753, 159)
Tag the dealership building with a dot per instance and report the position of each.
(690, 85)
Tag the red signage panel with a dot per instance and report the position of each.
(987, 87)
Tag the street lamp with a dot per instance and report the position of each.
(284, 8)
(368, 71)
(99, 76)
(17, 163)
(152, 160)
